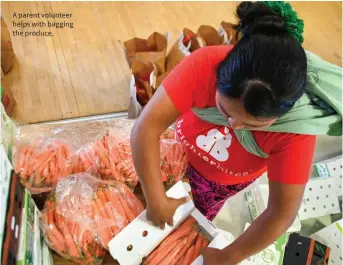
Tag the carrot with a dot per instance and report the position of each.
(188, 243)
(21, 158)
(55, 243)
(130, 215)
(185, 228)
(198, 244)
(72, 249)
(110, 215)
(115, 203)
(60, 160)
(171, 255)
(45, 162)
(132, 197)
(103, 154)
(101, 207)
(85, 162)
(103, 233)
(163, 253)
(52, 167)
(91, 159)
(189, 256)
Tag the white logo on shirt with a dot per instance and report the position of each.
(215, 143)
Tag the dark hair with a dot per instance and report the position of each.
(267, 69)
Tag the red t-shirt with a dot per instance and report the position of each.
(214, 150)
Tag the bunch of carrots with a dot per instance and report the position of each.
(181, 247)
(111, 157)
(79, 227)
(40, 163)
(113, 208)
(69, 238)
(173, 162)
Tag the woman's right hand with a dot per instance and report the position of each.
(162, 211)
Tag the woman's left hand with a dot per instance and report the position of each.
(214, 256)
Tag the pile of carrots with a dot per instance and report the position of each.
(110, 157)
(40, 163)
(181, 247)
(69, 238)
(79, 225)
(173, 162)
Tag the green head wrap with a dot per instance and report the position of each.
(293, 24)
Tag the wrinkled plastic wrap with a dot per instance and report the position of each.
(84, 213)
(42, 157)
(173, 159)
(45, 153)
(183, 246)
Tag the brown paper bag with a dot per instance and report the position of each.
(152, 50)
(142, 73)
(208, 35)
(184, 45)
(191, 36)
(7, 54)
(229, 33)
(7, 98)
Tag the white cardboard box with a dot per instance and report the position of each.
(141, 246)
(272, 255)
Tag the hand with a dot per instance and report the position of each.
(213, 256)
(162, 212)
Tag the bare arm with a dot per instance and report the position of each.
(156, 117)
(283, 205)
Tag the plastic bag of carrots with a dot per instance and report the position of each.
(84, 213)
(41, 162)
(110, 157)
(173, 159)
(181, 247)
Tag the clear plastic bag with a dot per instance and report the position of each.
(173, 159)
(88, 212)
(41, 162)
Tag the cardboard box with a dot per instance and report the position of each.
(272, 255)
(142, 246)
(13, 222)
(29, 251)
(257, 199)
(5, 182)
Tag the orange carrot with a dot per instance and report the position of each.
(103, 154)
(72, 249)
(130, 215)
(188, 243)
(163, 253)
(185, 228)
(189, 255)
(21, 158)
(115, 203)
(46, 161)
(198, 244)
(103, 233)
(55, 243)
(110, 215)
(138, 206)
